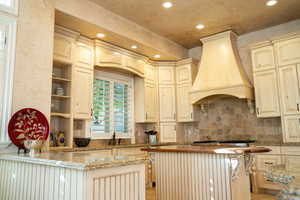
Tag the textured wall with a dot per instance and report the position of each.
(230, 118)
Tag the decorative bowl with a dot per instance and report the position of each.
(82, 142)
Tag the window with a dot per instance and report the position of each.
(7, 49)
(10, 6)
(112, 105)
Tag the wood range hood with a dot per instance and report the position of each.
(220, 71)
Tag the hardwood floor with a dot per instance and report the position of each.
(151, 196)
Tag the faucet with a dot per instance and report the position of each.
(113, 141)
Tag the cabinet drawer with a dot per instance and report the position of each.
(264, 162)
(264, 183)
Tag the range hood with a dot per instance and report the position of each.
(220, 72)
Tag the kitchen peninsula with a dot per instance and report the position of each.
(87, 175)
(203, 172)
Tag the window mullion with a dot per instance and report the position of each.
(112, 125)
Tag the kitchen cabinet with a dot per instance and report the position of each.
(167, 103)
(291, 128)
(289, 86)
(145, 100)
(266, 93)
(263, 58)
(186, 72)
(134, 65)
(84, 54)
(107, 56)
(150, 73)
(83, 83)
(168, 132)
(287, 50)
(166, 75)
(64, 45)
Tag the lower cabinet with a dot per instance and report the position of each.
(291, 128)
(168, 132)
(83, 83)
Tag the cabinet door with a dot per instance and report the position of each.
(292, 128)
(107, 58)
(84, 55)
(150, 73)
(263, 58)
(183, 74)
(288, 52)
(166, 75)
(266, 94)
(168, 132)
(289, 86)
(63, 48)
(264, 162)
(292, 164)
(167, 103)
(184, 107)
(83, 83)
(151, 103)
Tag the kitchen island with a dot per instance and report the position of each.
(186, 172)
(88, 175)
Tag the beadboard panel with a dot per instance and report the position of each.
(189, 176)
(19, 180)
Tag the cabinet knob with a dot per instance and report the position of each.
(257, 110)
(298, 109)
(191, 115)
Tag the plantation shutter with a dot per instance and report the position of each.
(101, 106)
(121, 107)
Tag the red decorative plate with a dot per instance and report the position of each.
(28, 123)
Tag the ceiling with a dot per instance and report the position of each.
(178, 23)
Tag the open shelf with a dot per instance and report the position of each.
(63, 115)
(59, 79)
(61, 124)
(60, 96)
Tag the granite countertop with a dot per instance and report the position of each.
(210, 149)
(109, 147)
(86, 160)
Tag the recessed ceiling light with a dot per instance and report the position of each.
(167, 4)
(157, 56)
(116, 53)
(271, 3)
(100, 35)
(200, 26)
(134, 46)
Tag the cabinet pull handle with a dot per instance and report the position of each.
(257, 110)
(191, 115)
(298, 107)
(268, 163)
(146, 115)
(174, 127)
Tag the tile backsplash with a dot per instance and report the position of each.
(230, 118)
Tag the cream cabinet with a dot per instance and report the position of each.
(83, 83)
(107, 56)
(167, 103)
(289, 86)
(84, 54)
(266, 93)
(150, 73)
(263, 58)
(186, 72)
(145, 100)
(166, 75)
(291, 128)
(287, 50)
(64, 45)
(168, 132)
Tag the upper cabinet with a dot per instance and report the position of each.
(84, 54)
(64, 45)
(266, 93)
(167, 103)
(289, 85)
(186, 71)
(265, 81)
(263, 58)
(166, 75)
(107, 55)
(150, 73)
(287, 50)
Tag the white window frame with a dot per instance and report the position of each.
(8, 74)
(120, 77)
(11, 9)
